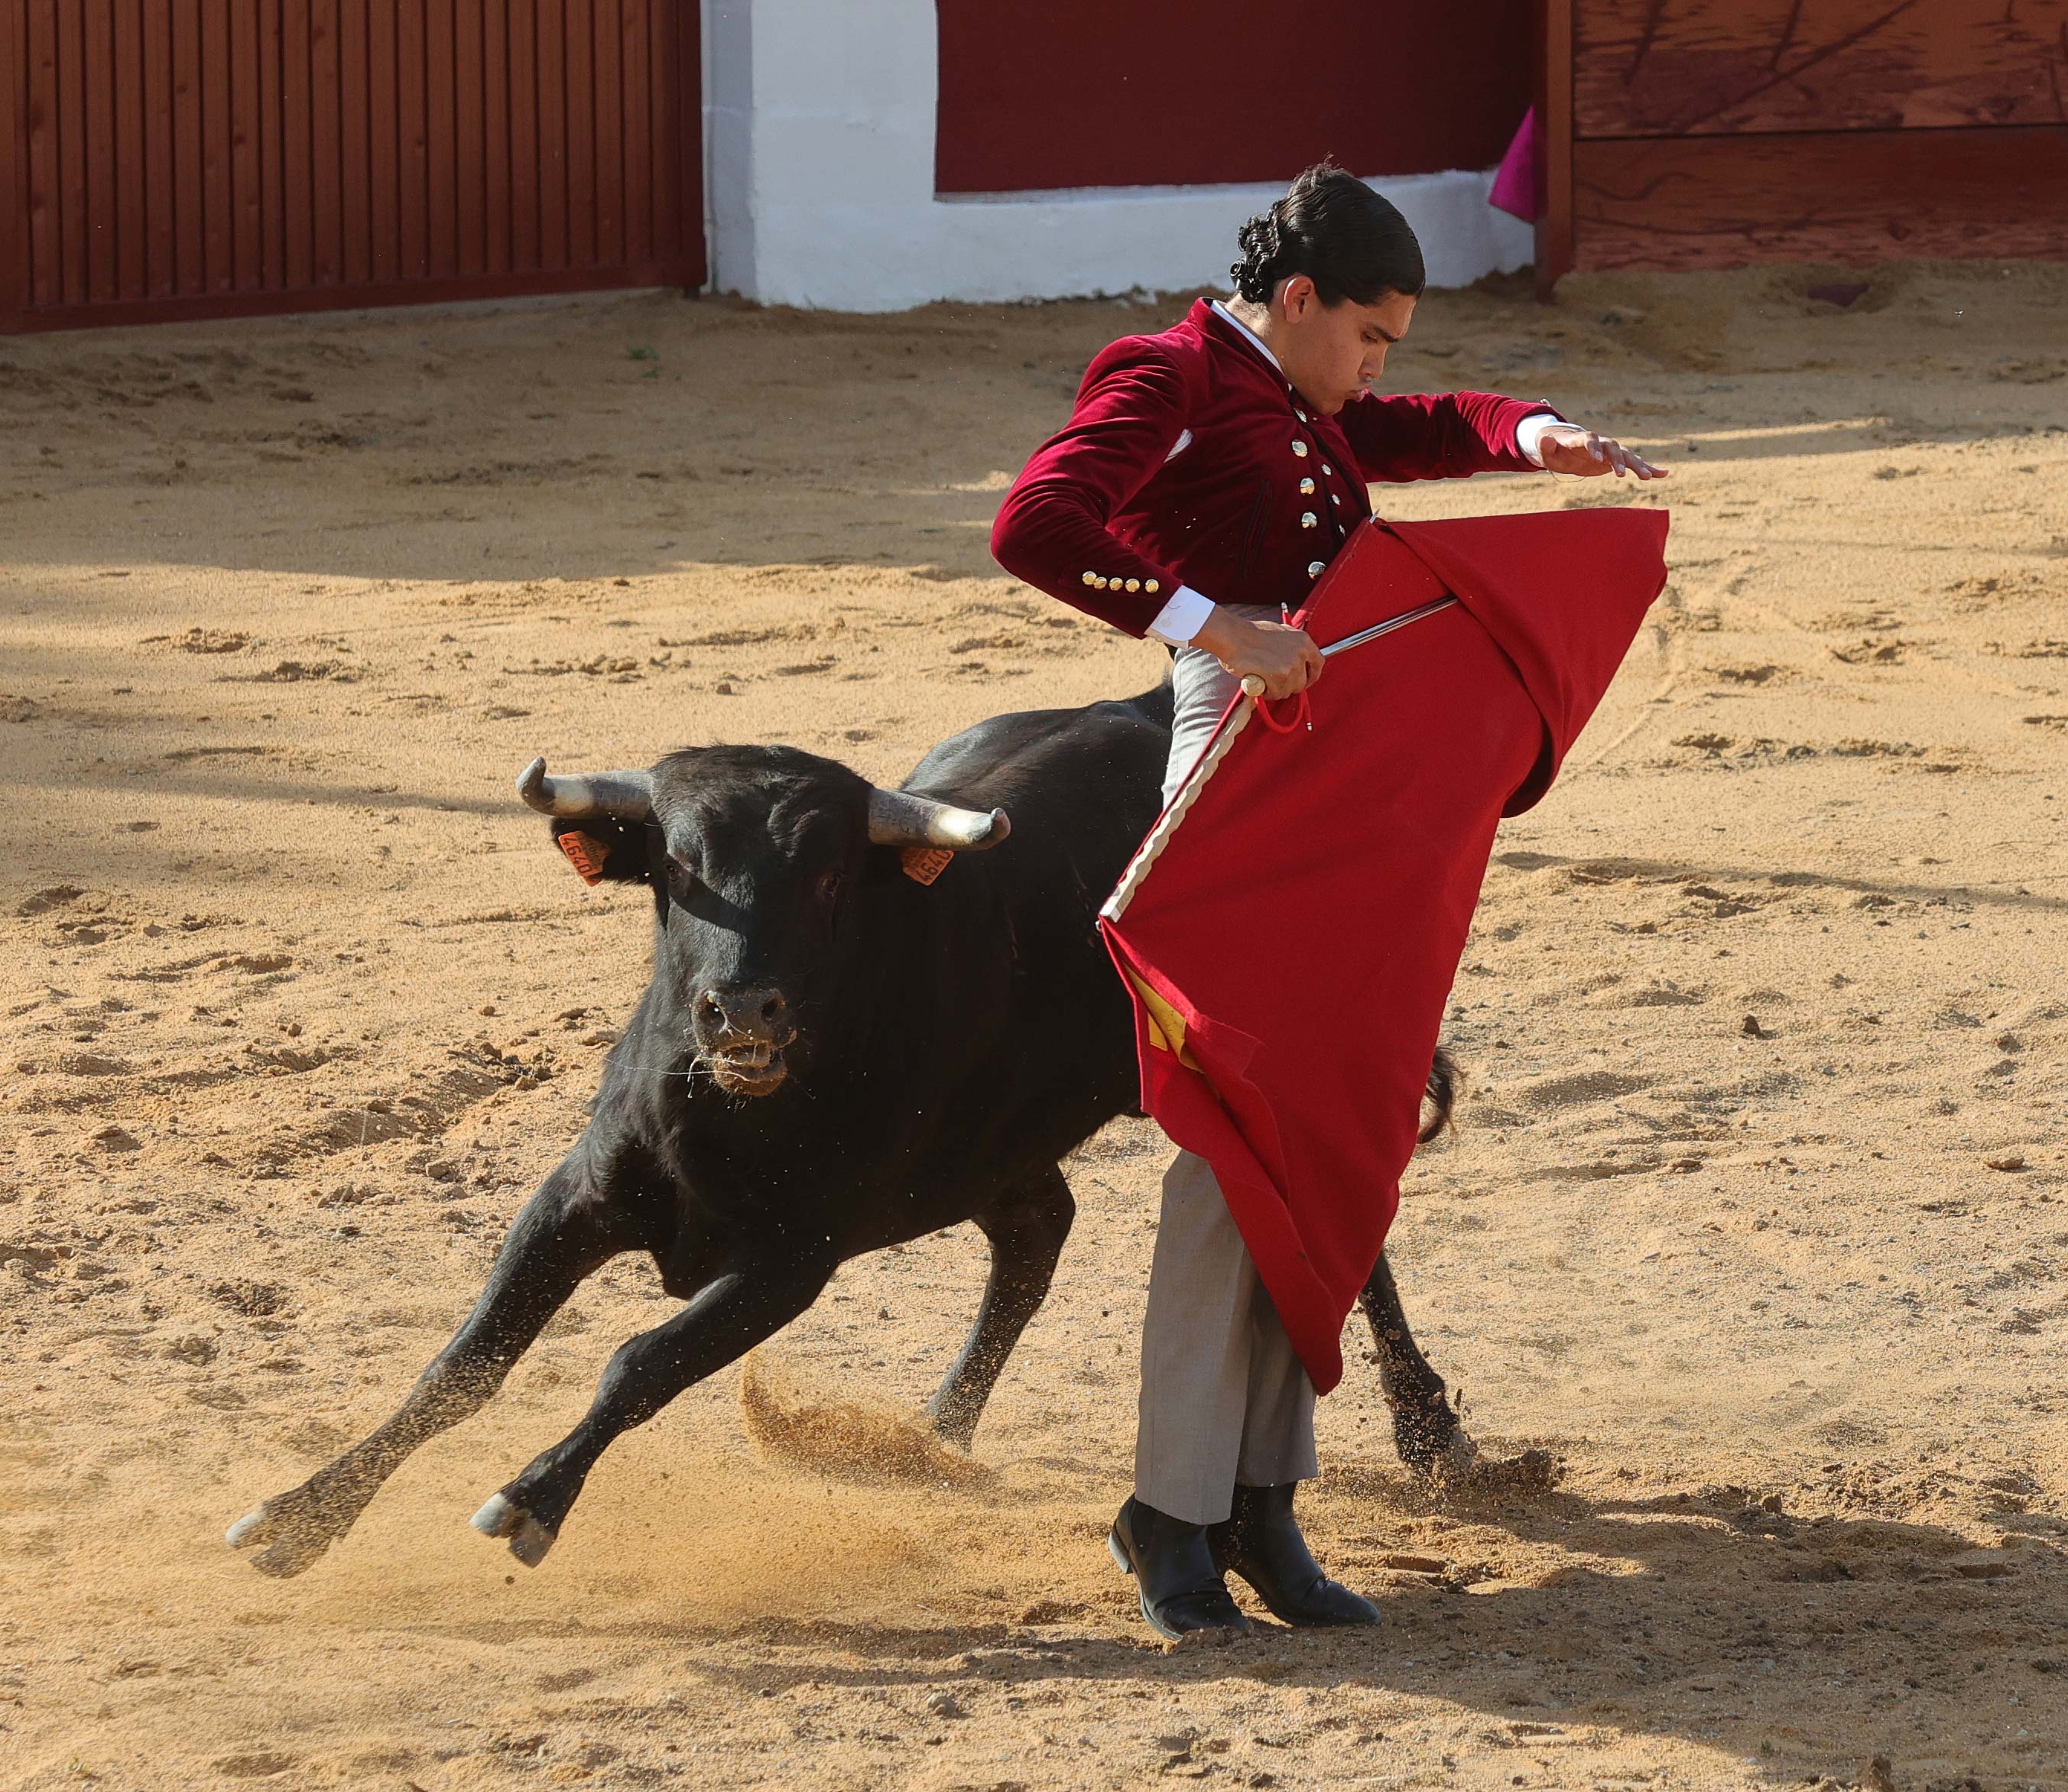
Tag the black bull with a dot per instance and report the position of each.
(832, 1056)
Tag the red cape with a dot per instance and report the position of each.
(1290, 946)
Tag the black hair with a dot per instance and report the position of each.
(1350, 242)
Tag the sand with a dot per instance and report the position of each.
(1757, 1215)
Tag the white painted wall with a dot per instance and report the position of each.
(820, 162)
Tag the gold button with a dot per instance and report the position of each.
(1150, 586)
(1133, 585)
(1316, 568)
(1307, 519)
(1091, 578)
(1099, 583)
(1300, 448)
(1306, 490)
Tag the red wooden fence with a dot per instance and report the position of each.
(200, 158)
(1713, 133)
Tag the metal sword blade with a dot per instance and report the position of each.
(1388, 626)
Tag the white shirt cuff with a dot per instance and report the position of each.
(1182, 617)
(1530, 434)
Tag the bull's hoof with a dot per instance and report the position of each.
(290, 1533)
(1459, 1471)
(529, 1541)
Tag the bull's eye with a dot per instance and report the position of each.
(681, 877)
(829, 887)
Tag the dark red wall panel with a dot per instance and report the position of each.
(194, 158)
(1086, 93)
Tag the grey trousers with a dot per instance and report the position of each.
(1224, 1398)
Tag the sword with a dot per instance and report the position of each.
(1253, 686)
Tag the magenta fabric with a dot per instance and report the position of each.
(1518, 183)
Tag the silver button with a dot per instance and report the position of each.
(1307, 519)
(1335, 497)
(1306, 490)
(1316, 568)
(1301, 414)
(1300, 448)
(1328, 469)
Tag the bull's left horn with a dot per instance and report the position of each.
(620, 796)
(897, 818)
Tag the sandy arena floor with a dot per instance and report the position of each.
(299, 1005)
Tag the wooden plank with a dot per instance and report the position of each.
(581, 51)
(495, 136)
(297, 145)
(523, 135)
(326, 148)
(96, 75)
(384, 148)
(70, 119)
(552, 163)
(246, 186)
(219, 210)
(469, 151)
(1679, 67)
(131, 163)
(412, 182)
(161, 206)
(272, 147)
(609, 133)
(355, 151)
(440, 152)
(663, 86)
(1554, 75)
(46, 273)
(190, 262)
(1855, 197)
(15, 240)
(636, 133)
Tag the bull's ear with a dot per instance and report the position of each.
(603, 851)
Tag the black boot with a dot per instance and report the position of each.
(1174, 1571)
(1261, 1542)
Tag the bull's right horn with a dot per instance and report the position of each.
(898, 818)
(619, 796)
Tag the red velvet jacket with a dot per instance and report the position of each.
(1189, 460)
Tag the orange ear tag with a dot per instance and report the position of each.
(586, 853)
(923, 863)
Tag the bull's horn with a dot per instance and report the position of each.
(897, 818)
(619, 796)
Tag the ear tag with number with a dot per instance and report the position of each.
(924, 864)
(586, 853)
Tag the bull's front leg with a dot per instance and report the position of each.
(1427, 1431)
(739, 1309)
(563, 1233)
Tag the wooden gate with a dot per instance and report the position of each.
(1714, 133)
(163, 159)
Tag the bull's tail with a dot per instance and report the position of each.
(1439, 1096)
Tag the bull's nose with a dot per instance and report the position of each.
(759, 1013)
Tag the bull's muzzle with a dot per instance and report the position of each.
(741, 1035)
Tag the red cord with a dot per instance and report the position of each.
(1302, 717)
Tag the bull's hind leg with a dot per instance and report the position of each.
(1426, 1431)
(1027, 1232)
(560, 1237)
(724, 1320)
(1424, 1426)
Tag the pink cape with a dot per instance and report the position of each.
(1290, 931)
